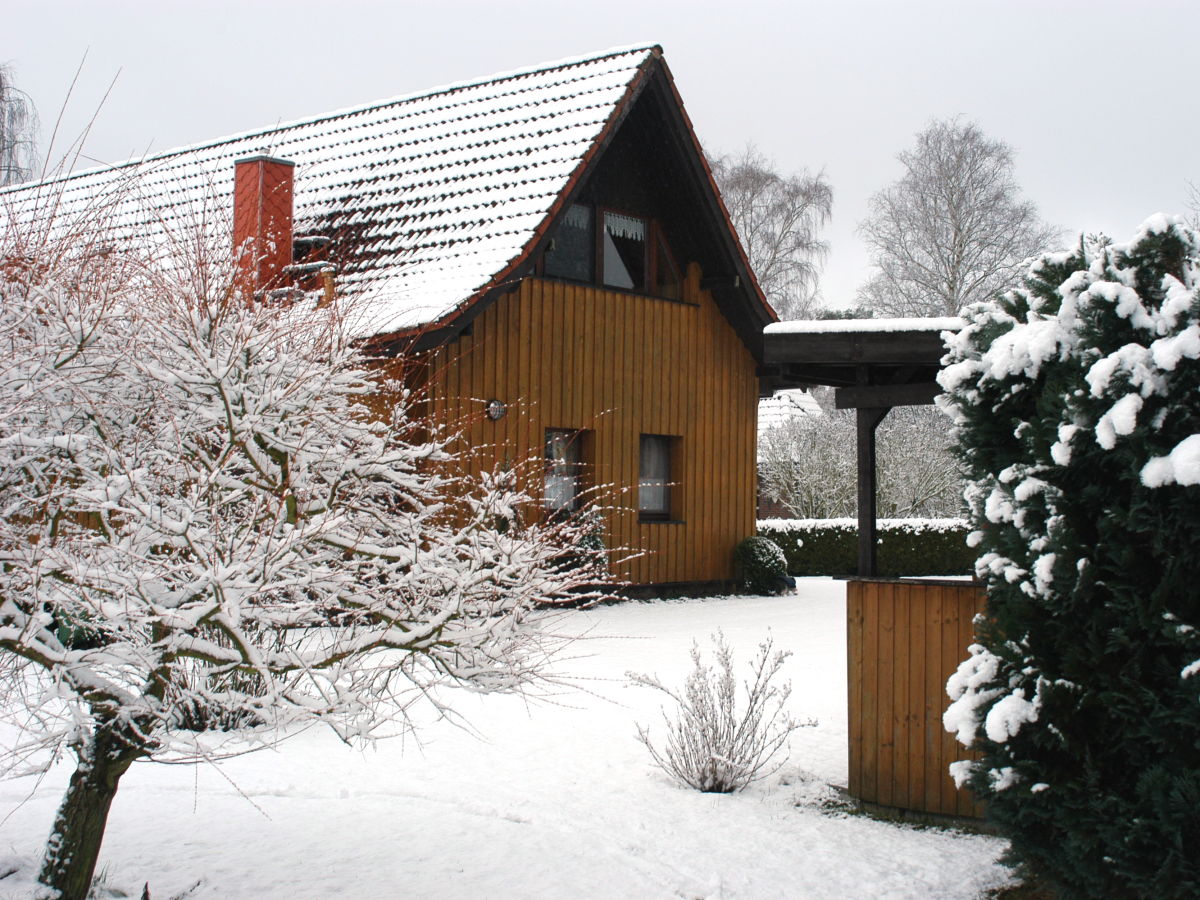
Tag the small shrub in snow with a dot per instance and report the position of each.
(710, 745)
(1077, 418)
(761, 566)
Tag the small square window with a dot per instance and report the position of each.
(656, 481)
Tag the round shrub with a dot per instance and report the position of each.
(761, 565)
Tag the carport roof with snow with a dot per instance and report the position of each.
(897, 359)
(874, 364)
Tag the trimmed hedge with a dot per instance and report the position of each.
(906, 546)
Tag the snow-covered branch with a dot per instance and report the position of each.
(208, 528)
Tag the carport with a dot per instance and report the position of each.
(905, 636)
(873, 365)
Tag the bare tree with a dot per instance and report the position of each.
(18, 124)
(918, 475)
(808, 464)
(779, 219)
(1193, 205)
(953, 230)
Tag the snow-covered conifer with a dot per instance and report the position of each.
(1078, 422)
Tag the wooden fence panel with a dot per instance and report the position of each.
(905, 639)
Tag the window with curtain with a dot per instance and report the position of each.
(563, 484)
(624, 254)
(655, 477)
(573, 247)
(631, 253)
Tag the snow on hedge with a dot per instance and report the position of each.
(911, 526)
(863, 326)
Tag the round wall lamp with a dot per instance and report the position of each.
(496, 410)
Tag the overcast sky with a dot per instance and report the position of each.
(1100, 99)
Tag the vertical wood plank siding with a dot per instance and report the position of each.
(904, 640)
(618, 365)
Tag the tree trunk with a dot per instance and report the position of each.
(74, 843)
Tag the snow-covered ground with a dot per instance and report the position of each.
(543, 800)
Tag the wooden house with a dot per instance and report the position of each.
(550, 245)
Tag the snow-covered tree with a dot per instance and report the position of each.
(953, 230)
(218, 522)
(1079, 426)
(808, 464)
(779, 220)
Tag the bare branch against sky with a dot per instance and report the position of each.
(953, 230)
(1074, 88)
(18, 131)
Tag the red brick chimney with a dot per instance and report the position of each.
(262, 221)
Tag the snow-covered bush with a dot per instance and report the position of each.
(760, 565)
(1077, 404)
(216, 516)
(710, 745)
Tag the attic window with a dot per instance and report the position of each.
(624, 251)
(572, 248)
(613, 249)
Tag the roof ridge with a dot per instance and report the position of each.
(509, 75)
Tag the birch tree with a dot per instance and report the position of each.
(1193, 206)
(953, 230)
(18, 122)
(779, 220)
(211, 534)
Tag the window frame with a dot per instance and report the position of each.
(576, 439)
(658, 254)
(672, 486)
(660, 247)
(647, 241)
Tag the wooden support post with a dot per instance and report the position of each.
(868, 419)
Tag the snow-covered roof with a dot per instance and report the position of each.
(783, 406)
(442, 192)
(840, 326)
